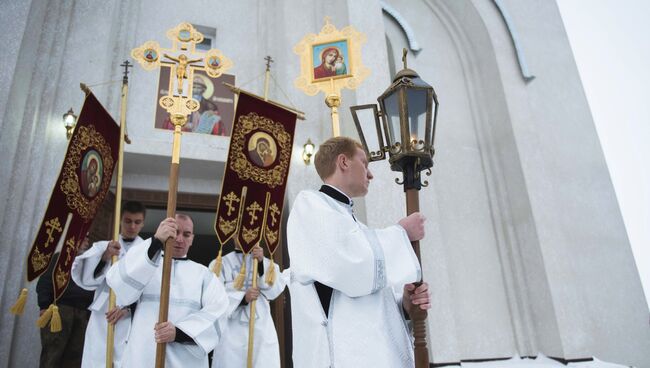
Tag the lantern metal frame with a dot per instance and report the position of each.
(406, 155)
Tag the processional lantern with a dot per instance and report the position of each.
(408, 110)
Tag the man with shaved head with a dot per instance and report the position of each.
(197, 300)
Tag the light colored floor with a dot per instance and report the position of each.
(540, 362)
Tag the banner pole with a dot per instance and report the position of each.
(110, 330)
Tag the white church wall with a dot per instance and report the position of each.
(525, 248)
(594, 286)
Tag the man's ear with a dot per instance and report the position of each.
(342, 162)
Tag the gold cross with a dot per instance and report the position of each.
(70, 244)
(252, 209)
(182, 58)
(230, 198)
(52, 224)
(273, 210)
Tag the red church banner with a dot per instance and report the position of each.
(252, 193)
(80, 189)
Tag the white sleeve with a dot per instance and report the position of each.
(271, 291)
(84, 265)
(129, 276)
(203, 326)
(328, 246)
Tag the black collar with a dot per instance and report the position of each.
(180, 259)
(335, 194)
(128, 240)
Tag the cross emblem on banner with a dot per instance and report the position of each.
(52, 225)
(183, 59)
(273, 210)
(230, 198)
(252, 210)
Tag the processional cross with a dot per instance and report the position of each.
(183, 60)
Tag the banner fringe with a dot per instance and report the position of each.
(216, 268)
(45, 318)
(241, 277)
(19, 306)
(55, 325)
(270, 273)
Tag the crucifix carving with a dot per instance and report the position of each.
(184, 59)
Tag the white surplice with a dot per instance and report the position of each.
(366, 268)
(83, 274)
(197, 300)
(233, 349)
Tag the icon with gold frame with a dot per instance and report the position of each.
(330, 60)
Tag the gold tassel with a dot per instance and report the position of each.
(239, 280)
(270, 273)
(44, 319)
(216, 268)
(55, 325)
(19, 306)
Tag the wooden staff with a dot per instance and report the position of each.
(110, 330)
(251, 320)
(418, 316)
(163, 312)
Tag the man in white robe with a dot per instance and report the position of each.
(232, 352)
(89, 272)
(197, 300)
(351, 286)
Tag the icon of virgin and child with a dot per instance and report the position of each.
(91, 173)
(330, 60)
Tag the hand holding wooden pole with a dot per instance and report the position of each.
(163, 312)
(418, 316)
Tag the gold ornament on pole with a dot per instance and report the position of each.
(184, 59)
(329, 62)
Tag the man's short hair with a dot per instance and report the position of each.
(325, 159)
(134, 207)
(184, 216)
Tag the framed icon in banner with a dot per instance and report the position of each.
(216, 103)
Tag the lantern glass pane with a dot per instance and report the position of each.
(391, 109)
(417, 113)
(368, 122)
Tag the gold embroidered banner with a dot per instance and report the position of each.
(80, 189)
(255, 178)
